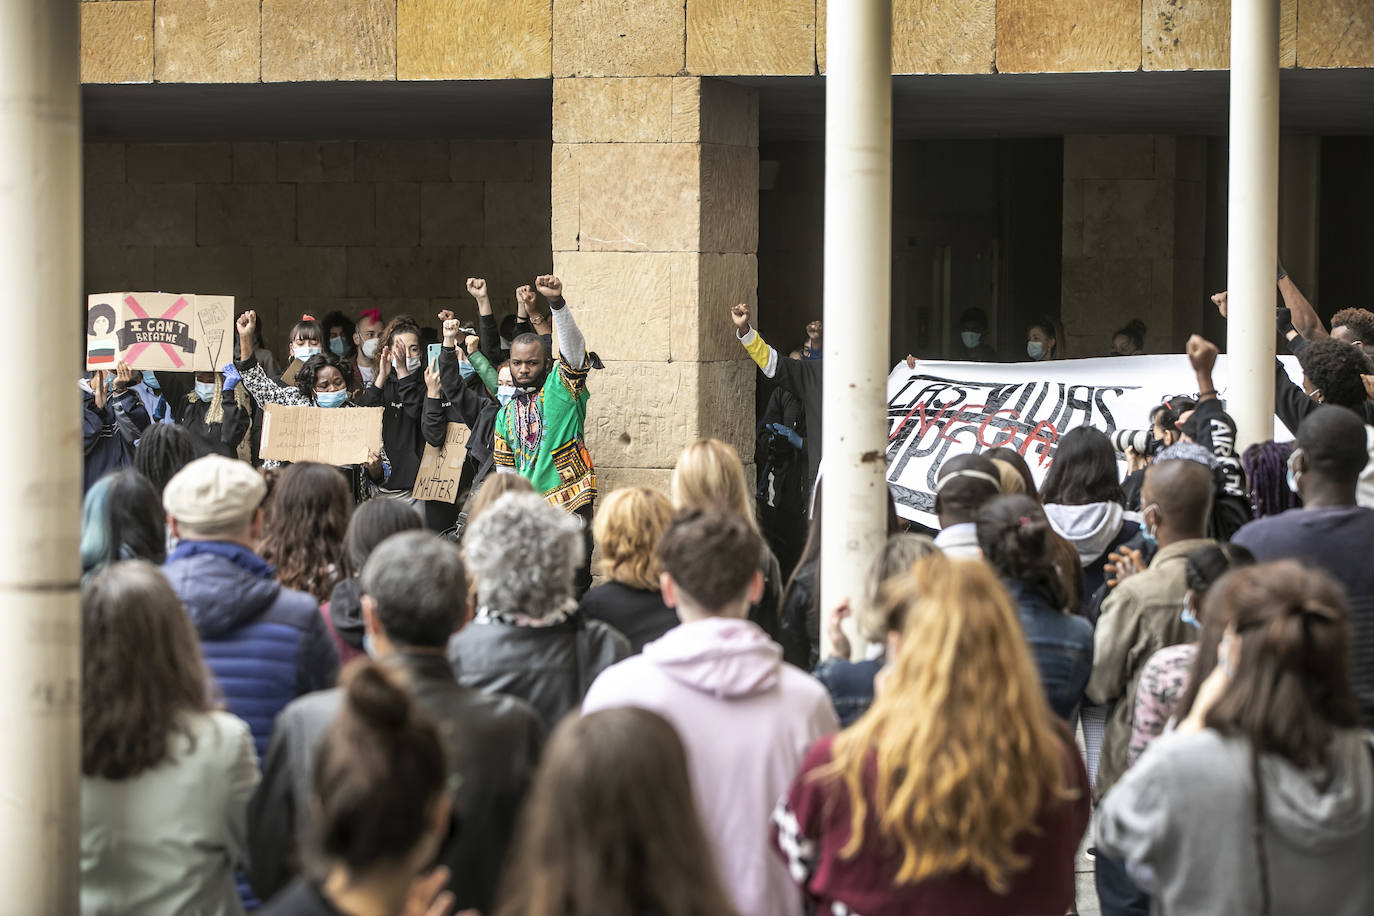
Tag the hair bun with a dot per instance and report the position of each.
(374, 697)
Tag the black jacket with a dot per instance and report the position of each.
(464, 401)
(220, 438)
(401, 422)
(493, 744)
(801, 625)
(638, 613)
(548, 667)
(109, 433)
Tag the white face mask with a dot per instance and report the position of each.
(1035, 349)
(304, 353)
(412, 363)
(370, 347)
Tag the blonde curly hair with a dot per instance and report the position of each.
(627, 529)
(967, 751)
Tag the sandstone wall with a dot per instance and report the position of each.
(1134, 239)
(655, 224)
(293, 227)
(228, 41)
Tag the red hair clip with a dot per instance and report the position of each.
(307, 318)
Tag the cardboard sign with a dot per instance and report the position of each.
(440, 468)
(942, 409)
(166, 331)
(328, 435)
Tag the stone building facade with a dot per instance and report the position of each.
(640, 181)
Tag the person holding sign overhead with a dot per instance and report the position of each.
(319, 383)
(211, 405)
(112, 419)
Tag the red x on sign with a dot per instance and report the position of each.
(171, 312)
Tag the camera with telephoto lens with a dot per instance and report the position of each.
(1142, 440)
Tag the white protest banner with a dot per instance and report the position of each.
(166, 331)
(442, 468)
(336, 435)
(942, 409)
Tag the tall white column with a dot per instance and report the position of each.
(40, 504)
(1253, 217)
(858, 291)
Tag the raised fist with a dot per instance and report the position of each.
(1220, 300)
(451, 331)
(524, 296)
(549, 286)
(471, 343)
(445, 315)
(477, 287)
(1202, 353)
(740, 316)
(246, 324)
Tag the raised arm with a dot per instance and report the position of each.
(764, 356)
(572, 347)
(262, 388)
(1305, 320)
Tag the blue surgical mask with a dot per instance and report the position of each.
(504, 393)
(150, 380)
(304, 353)
(1035, 349)
(465, 368)
(330, 398)
(336, 344)
(368, 647)
(971, 339)
(1293, 472)
(1147, 532)
(1188, 616)
(205, 391)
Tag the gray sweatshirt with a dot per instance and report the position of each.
(1183, 820)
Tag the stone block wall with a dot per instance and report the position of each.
(294, 227)
(655, 218)
(219, 41)
(1134, 239)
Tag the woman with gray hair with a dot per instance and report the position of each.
(527, 638)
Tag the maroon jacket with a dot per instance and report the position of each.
(811, 826)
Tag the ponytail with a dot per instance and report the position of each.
(1017, 541)
(379, 771)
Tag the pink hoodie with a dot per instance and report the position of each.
(747, 721)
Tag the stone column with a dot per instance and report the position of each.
(1134, 240)
(40, 621)
(655, 234)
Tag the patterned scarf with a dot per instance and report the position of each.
(525, 427)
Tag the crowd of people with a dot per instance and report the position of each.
(305, 693)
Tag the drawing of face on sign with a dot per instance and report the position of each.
(101, 346)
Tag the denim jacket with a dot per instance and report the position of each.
(1062, 645)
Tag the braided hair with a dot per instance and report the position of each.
(1266, 471)
(164, 449)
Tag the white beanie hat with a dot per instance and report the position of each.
(214, 495)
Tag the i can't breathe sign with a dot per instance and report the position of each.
(178, 332)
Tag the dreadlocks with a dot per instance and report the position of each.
(1266, 468)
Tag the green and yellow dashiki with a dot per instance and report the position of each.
(541, 437)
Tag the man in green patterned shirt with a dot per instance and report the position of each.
(540, 432)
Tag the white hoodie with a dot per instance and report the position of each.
(746, 720)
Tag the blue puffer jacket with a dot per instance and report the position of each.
(1062, 645)
(265, 645)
